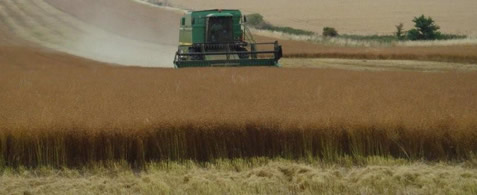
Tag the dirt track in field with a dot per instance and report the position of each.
(127, 33)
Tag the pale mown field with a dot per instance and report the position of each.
(95, 31)
(350, 16)
(257, 176)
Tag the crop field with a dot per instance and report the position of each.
(68, 116)
(334, 119)
(343, 127)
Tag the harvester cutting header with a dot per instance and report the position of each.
(220, 38)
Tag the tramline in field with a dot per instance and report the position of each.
(220, 38)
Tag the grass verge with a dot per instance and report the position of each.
(376, 175)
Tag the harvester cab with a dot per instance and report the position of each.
(220, 38)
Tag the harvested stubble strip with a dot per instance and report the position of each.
(208, 142)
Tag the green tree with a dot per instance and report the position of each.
(400, 32)
(425, 29)
(330, 32)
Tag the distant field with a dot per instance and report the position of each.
(103, 31)
(351, 16)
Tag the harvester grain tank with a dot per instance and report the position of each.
(221, 38)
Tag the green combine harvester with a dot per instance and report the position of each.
(220, 38)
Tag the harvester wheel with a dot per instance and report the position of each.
(242, 56)
(198, 56)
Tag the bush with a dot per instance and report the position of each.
(287, 30)
(254, 19)
(451, 36)
(330, 32)
(257, 21)
(425, 29)
(414, 35)
(368, 38)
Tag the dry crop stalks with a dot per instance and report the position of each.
(205, 143)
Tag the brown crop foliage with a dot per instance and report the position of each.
(59, 110)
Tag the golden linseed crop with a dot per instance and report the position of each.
(55, 114)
